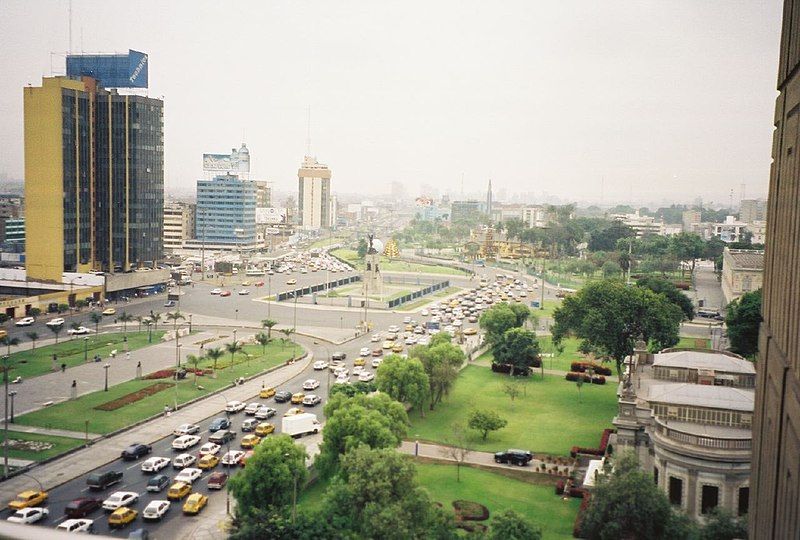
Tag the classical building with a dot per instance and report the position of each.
(687, 414)
(742, 271)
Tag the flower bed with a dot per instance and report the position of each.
(133, 397)
(161, 374)
(576, 375)
(601, 451)
(583, 366)
(576, 529)
(470, 511)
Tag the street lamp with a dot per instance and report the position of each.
(190, 323)
(85, 349)
(105, 367)
(5, 418)
(12, 394)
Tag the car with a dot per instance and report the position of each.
(293, 410)
(424, 340)
(342, 371)
(311, 400)
(216, 291)
(375, 338)
(283, 396)
(264, 428)
(320, 364)
(397, 348)
(377, 362)
(25, 321)
(388, 344)
(365, 351)
(291, 281)
(406, 320)
(189, 474)
(185, 441)
(266, 392)
(265, 412)
(217, 480)
(243, 292)
(394, 328)
(357, 370)
(183, 460)
(26, 499)
(366, 376)
(225, 293)
(471, 331)
(235, 406)
(311, 384)
(154, 464)
(109, 311)
(156, 510)
(122, 517)
(251, 408)
(258, 284)
(186, 429)
(514, 457)
(209, 448)
(360, 361)
(249, 425)
(424, 312)
(339, 355)
(250, 441)
(232, 458)
(218, 424)
(76, 525)
(344, 379)
(377, 353)
(58, 321)
(158, 482)
(472, 319)
(79, 331)
(245, 283)
(195, 503)
(118, 499)
(222, 436)
(208, 461)
(178, 491)
(169, 303)
(419, 330)
(100, 481)
(27, 516)
(81, 507)
(135, 451)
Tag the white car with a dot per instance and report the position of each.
(320, 364)
(410, 340)
(311, 384)
(235, 406)
(185, 441)
(155, 510)
(244, 292)
(25, 321)
(188, 475)
(424, 340)
(342, 380)
(209, 448)
(216, 291)
(251, 408)
(457, 323)
(58, 321)
(365, 351)
(232, 458)
(29, 515)
(375, 338)
(79, 331)
(341, 372)
(424, 312)
(394, 328)
(186, 429)
(357, 370)
(76, 525)
(155, 464)
(265, 412)
(366, 376)
(119, 499)
(377, 362)
(183, 460)
(406, 320)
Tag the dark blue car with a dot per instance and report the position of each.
(218, 424)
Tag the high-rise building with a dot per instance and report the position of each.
(465, 211)
(263, 194)
(94, 178)
(226, 211)
(179, 224)
(775, 481)
(751, 210)
(314, 206)
(489, 201)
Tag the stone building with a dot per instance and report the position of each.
(742, 271)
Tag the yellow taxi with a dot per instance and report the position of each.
(360, 361)
(264, 428)
(471, 331)
(388, 344)
(297, 399)
(195, 503)
(109, 311)
(266, 392)
(27, 499)
(178, 491)
(122, 516)
(250, 441)
(208, 461)
(409, 328)
(398, 348)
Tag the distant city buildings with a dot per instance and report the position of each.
(751, 210)
(730, 230)
(226, 212)
(314, 195)
(466, 211)
(179, 224)
(742, 271)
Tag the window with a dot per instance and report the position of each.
(675, 490)
(744, 500)
(709, 499)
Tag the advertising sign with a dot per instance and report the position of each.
(217, 162)
(112, 70)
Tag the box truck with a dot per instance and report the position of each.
(297, 425)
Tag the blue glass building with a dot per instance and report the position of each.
(226, 210)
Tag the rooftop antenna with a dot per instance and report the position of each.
(308, 133)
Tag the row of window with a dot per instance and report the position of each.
(699, 415)
(709, 495)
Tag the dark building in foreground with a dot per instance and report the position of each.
(775, 480)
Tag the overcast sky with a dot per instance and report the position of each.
(651, 99)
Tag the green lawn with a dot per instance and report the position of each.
(30, 363)
(73, 414)
(60, 445)
(548, 419)
(694, 343)
(560, 361)
(395, 265)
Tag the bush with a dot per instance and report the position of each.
(506, 368)
(470, 511)
(63, 307)
(576, 528)
(575, 375)
(583, 366)
(601, 451)
(4, 318)
(35, 312)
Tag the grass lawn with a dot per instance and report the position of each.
(73, 414)
(60, 445)
(30, 363)
(694, 343)
(395, 265)
(547, 419)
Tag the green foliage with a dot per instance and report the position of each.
(606, 239)
(673, 294)
(722, 525)
(268, 480)
(509, 525)
(276, 524)
(214, 353)
(485, 420)
(441, 360)
(687, 247)
(496, 320)
(404, 380)
(743, 319)
(362, 248)
(35, 312)
(522, 313)
(518, 347)
(350, 390)
(611, 269)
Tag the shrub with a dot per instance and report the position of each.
(583, 366)
(506, 368)
(559, 487)
(576, 528)
(35, 312)
(601, 451)
(575, 375)
(470, 511)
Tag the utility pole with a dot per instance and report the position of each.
(5, 418)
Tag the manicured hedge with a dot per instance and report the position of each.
(583, 366)
(601, 451)
(506, 368)
(575, 375)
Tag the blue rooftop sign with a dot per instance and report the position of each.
(112, 70)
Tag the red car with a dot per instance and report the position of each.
(80, 508)
(225, 293)
(259, 283)
(217, 480)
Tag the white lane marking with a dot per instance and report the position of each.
(132, 466)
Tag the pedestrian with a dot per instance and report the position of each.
(63, 368)
(128, 355)
(166, 410)
(202, 343)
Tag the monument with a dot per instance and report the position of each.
(372, 281)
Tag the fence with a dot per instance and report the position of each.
(417, 294)
(286, 295)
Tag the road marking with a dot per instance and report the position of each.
(132, 466)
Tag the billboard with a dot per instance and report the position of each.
(218, 162)
(112, 70)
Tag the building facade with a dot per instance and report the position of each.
(466, 211)
(179, 224)
(263, 194)
(14, 232)
(775, 500)
(94, 178)
(730, 230)
(226, 211)
(742, 271)
(314, 195)
(751, 210)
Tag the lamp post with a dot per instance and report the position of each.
(237, 314)
(5, 418)
(85, 349)
(105, 367)
(12, 394)
(190, 323)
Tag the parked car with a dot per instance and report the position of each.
(169, 303)
(217, 480)
(513, 457)
(102, 480)
(216, 291)
(218, 424)
(158, 482)
(119, 499)
(81, 507)
(109, 311)
(225, 293)
(156, 510)
(154, 464)
(25, 321)
(26, 516)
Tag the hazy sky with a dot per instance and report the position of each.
(664, 99)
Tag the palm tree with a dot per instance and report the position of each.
(175, 316)
(56, 328)
(96, 318)
(268, 324)
(9, 342)
(156, 318)
(140, 320)
(286, 332)
(33, 336)
(195, 361)
(264, 340)
(233, 347)
(215, 354)
(125, 318)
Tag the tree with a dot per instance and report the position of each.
(517, 348)
(743, 319)
(441, 360)
(156, 318)
(496, 320)
(286, 332)
(33, 336)
(175, 316)
(268, 324)
(722, 525)
(509, 525)
(606, 239)
(626, 503)
(125, 318)
(403, 380)
(276, 466)
(376, 495)
(485, 420)
(195, 361)
(457, 448)
(673, 294)
(56, 329)
(263, 340)
(215, 354)
(512, 389)
(610, 317)
(611, 269)
(362, 248)
(233, 347)
(277, 524)
(687, 247)
(522, 313)
(9, 342)
(96, 317)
